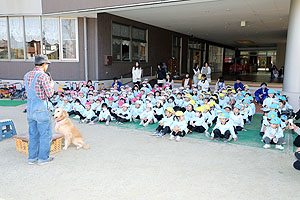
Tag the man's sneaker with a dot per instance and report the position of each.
(207, 134)
(155, 133)
(172, 137)
(178, 138)
(76, 117)
(266, 146)
(278, 146)
(32, 162)
(50, 159)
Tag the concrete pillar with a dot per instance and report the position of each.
(291, 82)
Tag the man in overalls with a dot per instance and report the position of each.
(39, 88)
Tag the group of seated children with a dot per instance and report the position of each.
(177, 111)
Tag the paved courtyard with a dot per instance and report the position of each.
(131, 164)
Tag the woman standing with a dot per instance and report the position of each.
(137, 73)
(196, 71)
(161, 75)
(207, 71)
(186, 81)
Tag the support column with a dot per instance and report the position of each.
(291, 82)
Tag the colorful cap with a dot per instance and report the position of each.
(275, 120)
(179, 113)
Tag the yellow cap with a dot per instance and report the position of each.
(205, 106)
(212, 103)
(192, 102)
(234, 91)
(179, 113)
(221, 95)
(199, 109)
(214, 97)
(170, 109)
(188, 96)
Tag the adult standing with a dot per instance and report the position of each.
(207, 71)
(137, 73)
(39, 88)
(161, 75)
(196, 71)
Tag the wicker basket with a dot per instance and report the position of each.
(22, 144)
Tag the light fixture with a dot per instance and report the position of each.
(243, 23)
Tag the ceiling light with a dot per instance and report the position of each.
(244, 42)
(243, 23)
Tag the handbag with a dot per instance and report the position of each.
(199, 76)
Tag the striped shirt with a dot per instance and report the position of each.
(42, 85)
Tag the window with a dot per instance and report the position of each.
(32, 36)
(3, 38)
(50, 35)
(216, 58)
(69, 41)
(139, 44)
(128, 43)
(16, 37)
(229, 56)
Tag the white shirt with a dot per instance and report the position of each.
(136, 74)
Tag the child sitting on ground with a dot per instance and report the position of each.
(147, 116)
(224, 129)
(237, 119)
(274, 134)
(124, 115)
(178, 127)
(88, 115)
(136, 111)
(164, 126)
(197, 123)
(104, 114)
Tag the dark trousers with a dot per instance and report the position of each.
(237, 128)
(158, 117)
(199, 129)
(163, 130)
(75, 113)
(297, 141)
(179, 133)
(218, 134)
(119, 119)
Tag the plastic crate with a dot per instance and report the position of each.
(22, 144)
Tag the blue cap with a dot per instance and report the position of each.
(271, 91)
(266, 109)
(275, 120)
(283, 118)
(250, 98)
(238, 106)
(224, 115)
(272, 114)
(274, 106)
(241, 97)
(247, 102)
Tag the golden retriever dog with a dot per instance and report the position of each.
(65, 127)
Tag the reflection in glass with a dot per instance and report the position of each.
(3, 38)
(32, 36)
(116, 46)
(16, 37)
(69, 38)
(125, 50)
(50, 34)
(139, 51)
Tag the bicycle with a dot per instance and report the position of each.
(18, 93)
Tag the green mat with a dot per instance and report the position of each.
(250, 137)
(12, 102)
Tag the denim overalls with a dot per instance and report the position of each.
(39, 121)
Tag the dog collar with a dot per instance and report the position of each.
(60, 121)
